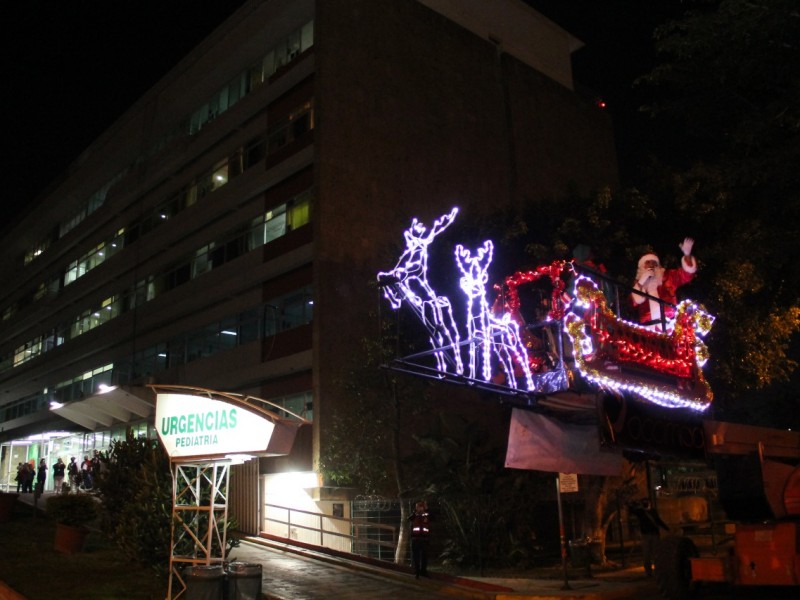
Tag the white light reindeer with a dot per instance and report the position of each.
(409, 281)
(488, 333)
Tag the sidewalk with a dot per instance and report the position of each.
(617, 585)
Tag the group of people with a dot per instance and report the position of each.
(27, 475)
(74, 472)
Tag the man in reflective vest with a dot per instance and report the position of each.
(420, 532)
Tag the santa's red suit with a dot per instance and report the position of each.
(663, 284)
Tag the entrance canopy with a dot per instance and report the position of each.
(110, 406)
(196, 423)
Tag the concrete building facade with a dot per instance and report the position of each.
(225, 231)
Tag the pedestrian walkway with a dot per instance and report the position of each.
(290, 572)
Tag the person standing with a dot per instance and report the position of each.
(28, 475)
(58, 475)
(86, 473)
(659, 283)
(650, 525)
(41, 477)
(97, 466)
(20, 478)
(72, 472)
(420, 535)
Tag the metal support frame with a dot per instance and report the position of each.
(547, 383)
(199, 518)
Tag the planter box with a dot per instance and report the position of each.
(70, 539)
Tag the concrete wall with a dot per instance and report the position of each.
(416, 115)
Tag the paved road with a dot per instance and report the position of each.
(288, 575)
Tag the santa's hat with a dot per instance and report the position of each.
(647, 257)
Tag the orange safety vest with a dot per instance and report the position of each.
(419, 525)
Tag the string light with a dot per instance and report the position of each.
(494, 336)
(409, 281)
(679, 354)
(664, 368)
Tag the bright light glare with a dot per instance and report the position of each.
(292, 489)
(239, 459)
(47, 435)
(296, 480)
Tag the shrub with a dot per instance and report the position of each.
(136, 488)
(72, 509)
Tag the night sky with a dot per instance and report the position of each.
(73, 67)
(618, 38)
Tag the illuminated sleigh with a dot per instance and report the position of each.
(664, 368)
(606, 351)
(516, 345)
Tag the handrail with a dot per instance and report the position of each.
(359, 530)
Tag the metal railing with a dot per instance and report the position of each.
(356, 536)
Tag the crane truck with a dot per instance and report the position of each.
(758, 486)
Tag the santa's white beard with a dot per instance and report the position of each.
(651, 288)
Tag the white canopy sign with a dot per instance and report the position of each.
(192, 426)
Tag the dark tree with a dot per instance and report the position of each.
(728, 89)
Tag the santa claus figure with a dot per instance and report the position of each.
(655, 281)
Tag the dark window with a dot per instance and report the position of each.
(255, 154)
(234, 248)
